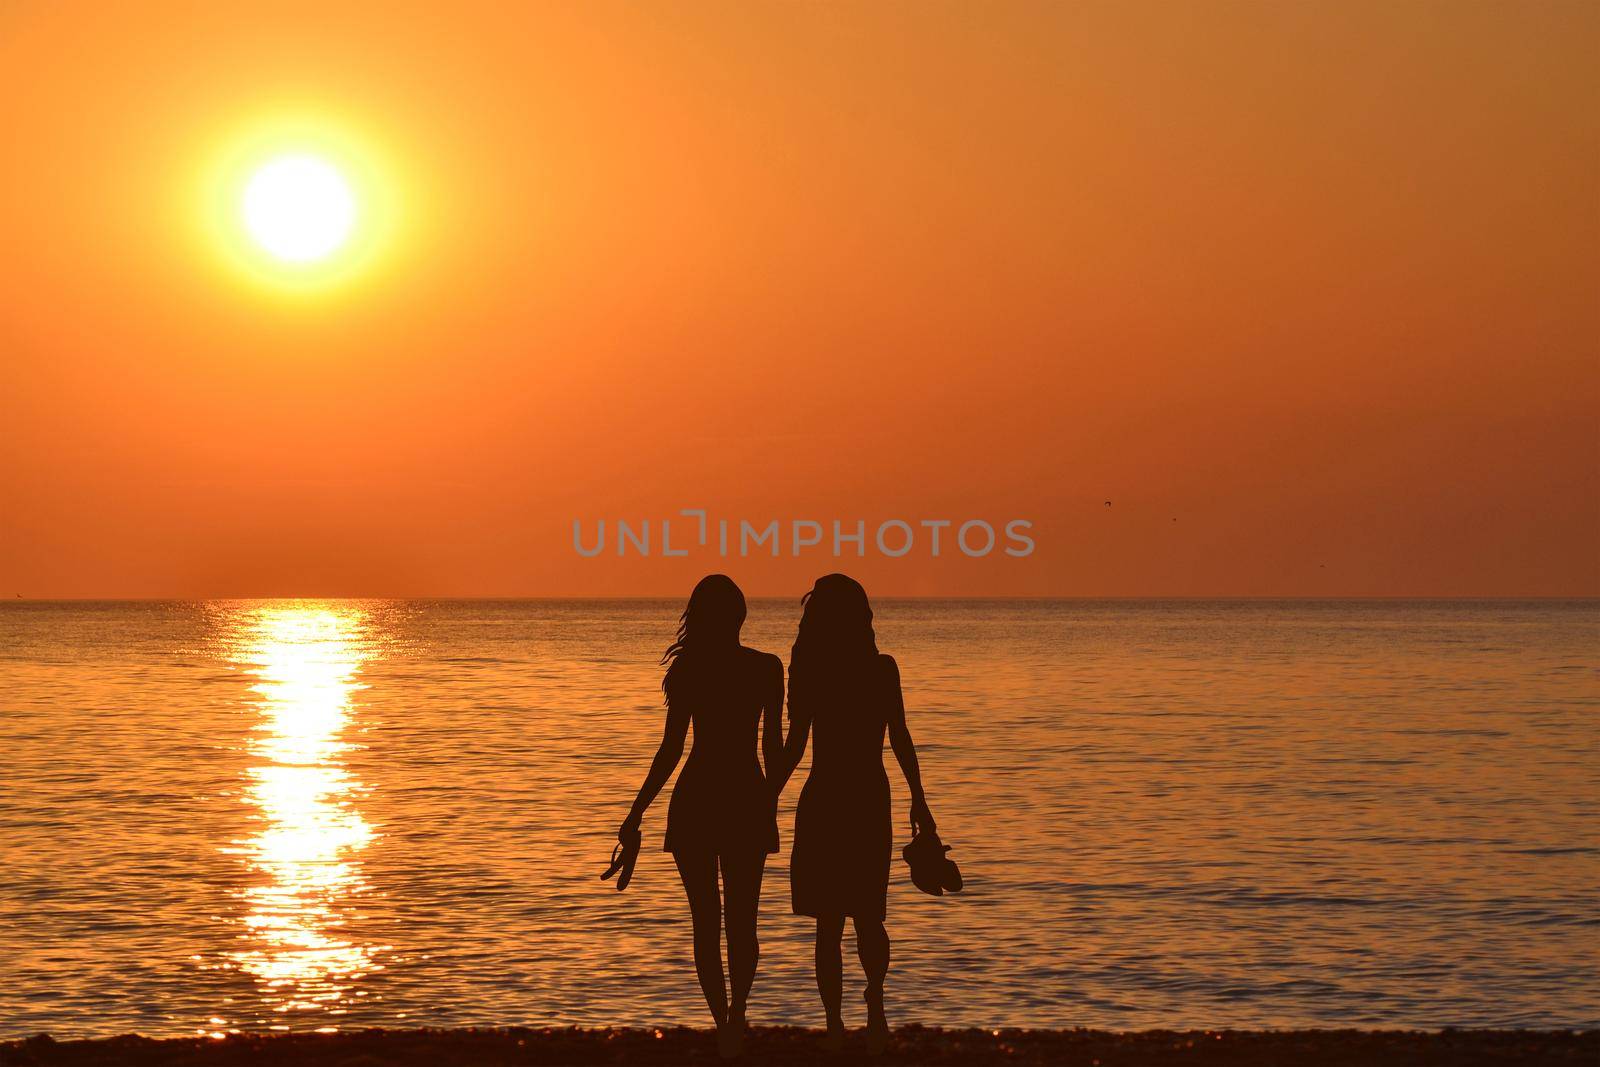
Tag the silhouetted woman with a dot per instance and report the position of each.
(842, 689)
(723, 810)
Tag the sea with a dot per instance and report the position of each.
(325, 815)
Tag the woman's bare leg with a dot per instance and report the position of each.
(699, 874)
(830, 975)
(872, 947)
(741, 887)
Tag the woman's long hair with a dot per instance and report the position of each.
(712, 620)
(835, 642)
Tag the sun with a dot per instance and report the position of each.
(305, 204)
(298, 208)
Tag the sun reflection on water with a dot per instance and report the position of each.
(305, 857)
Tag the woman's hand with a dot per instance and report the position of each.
(629, 830)
(921, 818)
(780, 781)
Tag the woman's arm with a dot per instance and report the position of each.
(905, 751)
(661, 768)
(772, 722)
(795, 746)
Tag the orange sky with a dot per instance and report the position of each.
(1317, 280)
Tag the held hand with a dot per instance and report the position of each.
(921, 818)
(629, 830)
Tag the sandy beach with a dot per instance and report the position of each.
(793, 1045)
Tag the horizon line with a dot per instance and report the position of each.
(513, 597)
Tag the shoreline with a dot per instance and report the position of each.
(798, 1045)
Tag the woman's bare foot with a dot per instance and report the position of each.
(877, 1022)
(833, 1040)
(730, 1036)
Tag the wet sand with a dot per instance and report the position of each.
(792, 1045)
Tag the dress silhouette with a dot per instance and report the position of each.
(723, 812)
(721, 804)
(843, 836)
(847, 693)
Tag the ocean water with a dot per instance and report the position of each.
(333, 814)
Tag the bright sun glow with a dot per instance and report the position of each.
(298, 208)
(303, 206)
